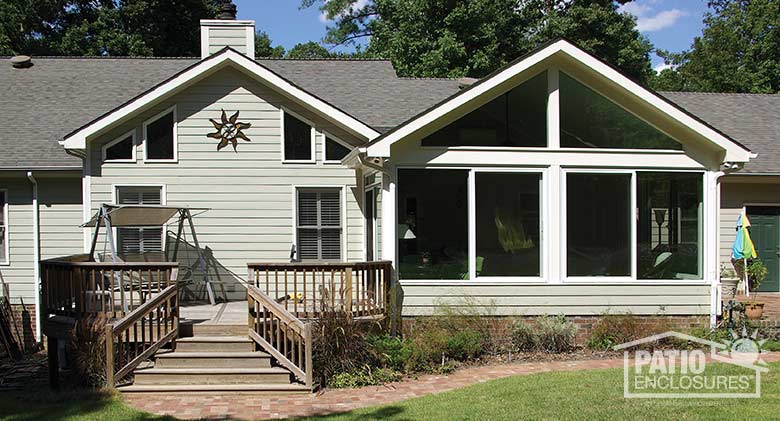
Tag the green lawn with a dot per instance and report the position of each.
(596, 394)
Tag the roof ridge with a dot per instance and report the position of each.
(323, 58)
(719, 93)
(108, 57)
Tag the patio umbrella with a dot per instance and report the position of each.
(743, 246)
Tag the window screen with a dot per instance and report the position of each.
(319, 224)
(132, 241)
(159, 138)
(122, 150)
(297, 139)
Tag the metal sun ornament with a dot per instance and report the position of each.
(229, 130)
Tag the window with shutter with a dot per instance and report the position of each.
(319, 224)
(3, 226)
(139, 240)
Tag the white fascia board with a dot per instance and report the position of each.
(734, 152)
(78, 139)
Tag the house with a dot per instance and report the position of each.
(555, 185)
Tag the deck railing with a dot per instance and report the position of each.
(74, 287)
(281, 334)
(307, 289)
(138, 335)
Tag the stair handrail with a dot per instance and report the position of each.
(159, 315)
(270, 325)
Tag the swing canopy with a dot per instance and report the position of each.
(128, 216)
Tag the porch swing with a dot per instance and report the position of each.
(139, 216)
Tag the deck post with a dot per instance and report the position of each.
(348, 288)
(308, 344)
(110, 355)
(52, 352)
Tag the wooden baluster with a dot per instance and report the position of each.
(332, 289)
(286, 300)
(267, 286)
(109, 339)
(348, 288)
(305, 297)
(295, 292)
(278, 333)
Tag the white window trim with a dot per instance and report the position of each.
(7, 228)
(342, 199)
(156, 117)
(313, 135)
(108, 145)
(325, 135)
(633, 279)
(472, 262)
(163, 202)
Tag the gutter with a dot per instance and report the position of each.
(36, 254)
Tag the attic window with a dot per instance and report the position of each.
(121, 149)
(297, 139)
(335, 150)
(160, 137)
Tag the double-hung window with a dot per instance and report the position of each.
(3, 226)
(318, 224)
(139, 241)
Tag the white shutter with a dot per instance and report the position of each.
(139, 240)
(319, 224)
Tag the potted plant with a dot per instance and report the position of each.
(756, 273)
(729, 281)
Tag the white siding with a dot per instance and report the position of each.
(221, 37)
(250, 193)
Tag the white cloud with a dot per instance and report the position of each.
(646, 21)
(660, 67)
(661, 20)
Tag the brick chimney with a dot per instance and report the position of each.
(216, 34)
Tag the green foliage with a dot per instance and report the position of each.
(103, 27)
(264, 47)
(464, 345)
(772, 346)
(453, 38)
(737, 51)
(364, 377)
(87, 348)
(393, 352)
(614, 329)
(523, 336)
(309, 49)
(757, 273)
(555, 334)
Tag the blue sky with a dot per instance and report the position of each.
(669, 24)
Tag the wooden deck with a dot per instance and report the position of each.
(230, 313)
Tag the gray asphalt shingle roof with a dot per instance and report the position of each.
(43, 103)
(753, 120)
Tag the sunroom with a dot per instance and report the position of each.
(555, 185)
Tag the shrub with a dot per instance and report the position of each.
(523, 336)
(615, 329)
(428, 347)
(341, 345)
(464, 345)
(555, 334)
(87, 348)
(393, 352)
(364, 377)
(478, 316)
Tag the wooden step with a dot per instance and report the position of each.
(211, 389)
(213, 360)
(190, 328)
(211, 376)
(215, 344)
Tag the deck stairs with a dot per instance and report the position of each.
(213, 359)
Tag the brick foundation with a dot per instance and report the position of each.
(22, 325)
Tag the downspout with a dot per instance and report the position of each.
(36, 254)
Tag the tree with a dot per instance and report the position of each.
(455, 38)
(264, 48)
(738, 51)
(103, 27)
(309, 49)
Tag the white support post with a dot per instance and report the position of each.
(389, 216)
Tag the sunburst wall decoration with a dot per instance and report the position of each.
(229, 130)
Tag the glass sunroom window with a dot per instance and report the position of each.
(598, 224)
(669, 230)
(433, 224)
(517, 118)
(590, 120)
(508, 222)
